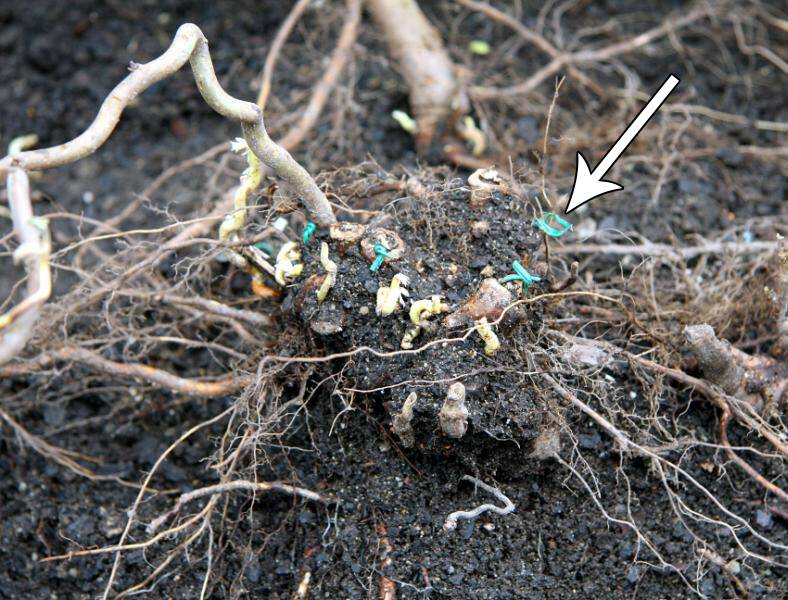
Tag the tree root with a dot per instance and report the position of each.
(158, 377)
(322, 89)
(757, 380)
(276, 48)
(717, 397)
(239, 484)
(436, 96)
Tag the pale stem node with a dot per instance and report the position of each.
(401, 422)
(389, 298)
(491, 342)
(453, 416)
(288, 265)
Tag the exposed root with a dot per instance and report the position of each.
(322, 89)
(626, 444)
(229, 486)
(70, 353)
(429, 73)
(388, 589)
(534, 38)
(16, 325)
(451, 521)
(65, 458)
(768, 485)
(717, 398)
(276, 48)
(679, 253)
(759, 381)
(568, 282)
(591, 56)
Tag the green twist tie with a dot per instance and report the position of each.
(308, 231)
(265, 247)
(521, 275)
(382, 252)
(552, 231)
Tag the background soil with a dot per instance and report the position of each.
(59, 60)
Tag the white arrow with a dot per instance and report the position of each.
(588, 185)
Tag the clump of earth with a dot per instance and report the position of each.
(451, 252)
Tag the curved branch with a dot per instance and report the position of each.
(189, 45)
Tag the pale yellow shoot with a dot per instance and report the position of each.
(389, 298)
(288, 264)
(331, 273)
(250, 179)
(491, 343)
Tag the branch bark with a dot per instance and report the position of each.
(424, 63)
(189, 45)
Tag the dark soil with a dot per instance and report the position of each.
(442, 256)
(59, 60)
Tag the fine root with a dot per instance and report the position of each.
(450, 523)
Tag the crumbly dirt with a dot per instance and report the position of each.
(59, 61)
(444, 253)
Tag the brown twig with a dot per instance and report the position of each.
(320, 92)
(591, 56)
(715, 395)
(388, 589)
(570, 280)
(158, 377)
(276, 48)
